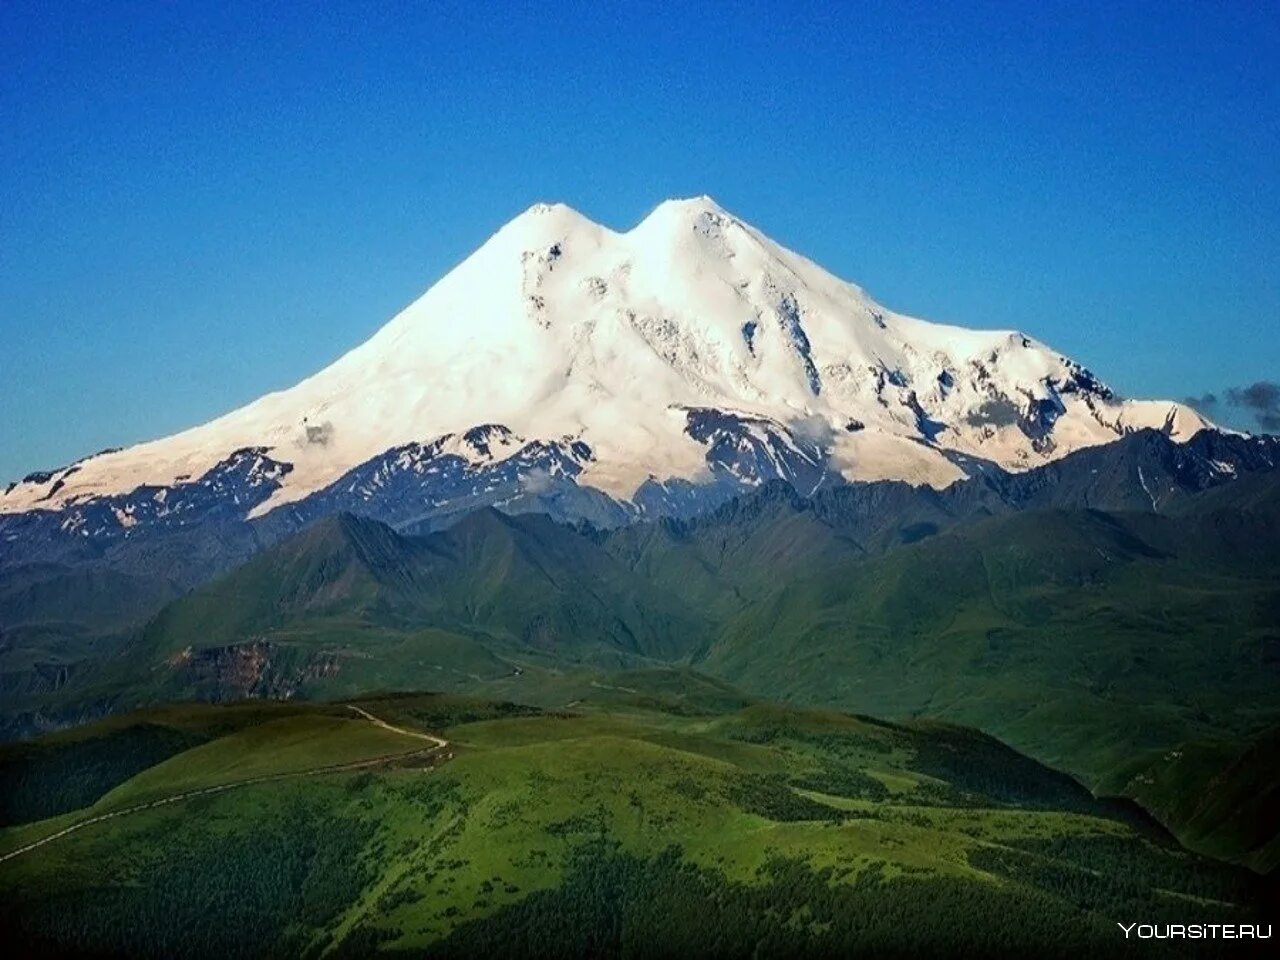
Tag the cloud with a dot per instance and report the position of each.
(1205, 403)
(1259, 401)
(816, 430)
(537, 482)
(1262, 399)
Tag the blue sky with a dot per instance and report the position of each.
(200, 203)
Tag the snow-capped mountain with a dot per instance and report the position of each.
(623, 370)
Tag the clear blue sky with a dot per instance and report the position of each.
(203, 202)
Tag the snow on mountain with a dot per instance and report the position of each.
(690, 349)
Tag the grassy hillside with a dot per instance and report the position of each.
(56, 622)
(671, 816)
(1224, 795)
(1087, 640)
(523, 580)
(1018, 615)
(1093, 641)
(72, 769)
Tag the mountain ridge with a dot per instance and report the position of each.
(1095, 641)
(690, 349)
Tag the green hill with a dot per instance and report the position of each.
(1092, 641)
(515, 580)
(671, 817)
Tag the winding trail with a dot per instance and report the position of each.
(394, 729)
(437, 744)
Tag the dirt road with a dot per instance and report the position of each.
(437, 744)
(401, 730)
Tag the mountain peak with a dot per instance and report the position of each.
(556, 216)
(338, 532)
(565, 332)
(700, 214)
(550, 211)
(689, 207)
(542, 224)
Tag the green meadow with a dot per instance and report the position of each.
(661, 814)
